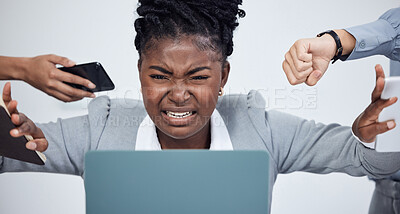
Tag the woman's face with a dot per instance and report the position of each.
(180, 85)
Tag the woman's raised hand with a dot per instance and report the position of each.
(366, 127)
(24, 126)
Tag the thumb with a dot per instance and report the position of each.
(314, 77)
(7, 93)
(379, 71)
(303, 50)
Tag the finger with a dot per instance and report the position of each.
(302, 49)
(300, 66)
(314, 77)
(40, 145)
(12, 107)
(70, 91)
(377, 92)
(291, 78)
(7, 93)
(26, 128)
(63, 97)
(18, 119)
(289, 60)
(64, 61)
(75, 79)
(373, 110)
(370, 132)
(39, 140)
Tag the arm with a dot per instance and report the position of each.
(306, 146)
(381, 37)
(301, 145)
(41, 73)
(308, 59)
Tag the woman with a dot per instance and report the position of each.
(183, 48)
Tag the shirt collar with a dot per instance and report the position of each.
(147, 136)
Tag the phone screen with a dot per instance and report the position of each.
(94, 72)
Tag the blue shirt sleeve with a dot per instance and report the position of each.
(381, 37)
(394, 68)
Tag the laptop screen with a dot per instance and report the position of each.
(176, 181)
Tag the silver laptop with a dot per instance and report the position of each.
(176, 182)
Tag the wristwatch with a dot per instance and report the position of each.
(339, 48)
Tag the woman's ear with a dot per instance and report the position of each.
(225, 73)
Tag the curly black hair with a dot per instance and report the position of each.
(213, 19)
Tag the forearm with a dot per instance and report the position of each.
(318, 148)
(381, 37)
(13, 68)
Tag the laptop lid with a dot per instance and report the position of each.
(177, 182)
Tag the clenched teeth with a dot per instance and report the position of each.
(178, 114)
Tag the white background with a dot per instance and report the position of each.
(103, 31)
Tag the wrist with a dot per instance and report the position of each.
(329, 44)
(348, 41)
(339, 49)
(21, 65)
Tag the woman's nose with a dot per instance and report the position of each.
(179, 94)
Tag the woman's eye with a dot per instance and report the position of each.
(200, 77)
(158, 77)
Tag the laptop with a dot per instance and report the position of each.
(176, 182)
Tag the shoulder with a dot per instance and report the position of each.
(103, 106)
(235, 103)
(115, 121)
(253, 104)
(248, 111)
(244, 116)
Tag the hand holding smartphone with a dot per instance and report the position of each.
(94, 72)
(15, 147)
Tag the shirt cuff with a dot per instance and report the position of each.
(365, 143)
(375, 38)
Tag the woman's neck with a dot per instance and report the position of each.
(200, 140)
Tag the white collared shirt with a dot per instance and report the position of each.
(147, 140)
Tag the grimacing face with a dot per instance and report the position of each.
(180, 85)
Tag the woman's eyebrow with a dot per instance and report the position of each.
(160, 69)
(197, 70)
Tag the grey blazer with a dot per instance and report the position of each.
(293, 144)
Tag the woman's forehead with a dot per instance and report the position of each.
(183, 46)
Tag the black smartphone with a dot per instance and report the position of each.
(15, 147)
(92, 71)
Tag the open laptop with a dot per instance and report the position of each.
(176, 182)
